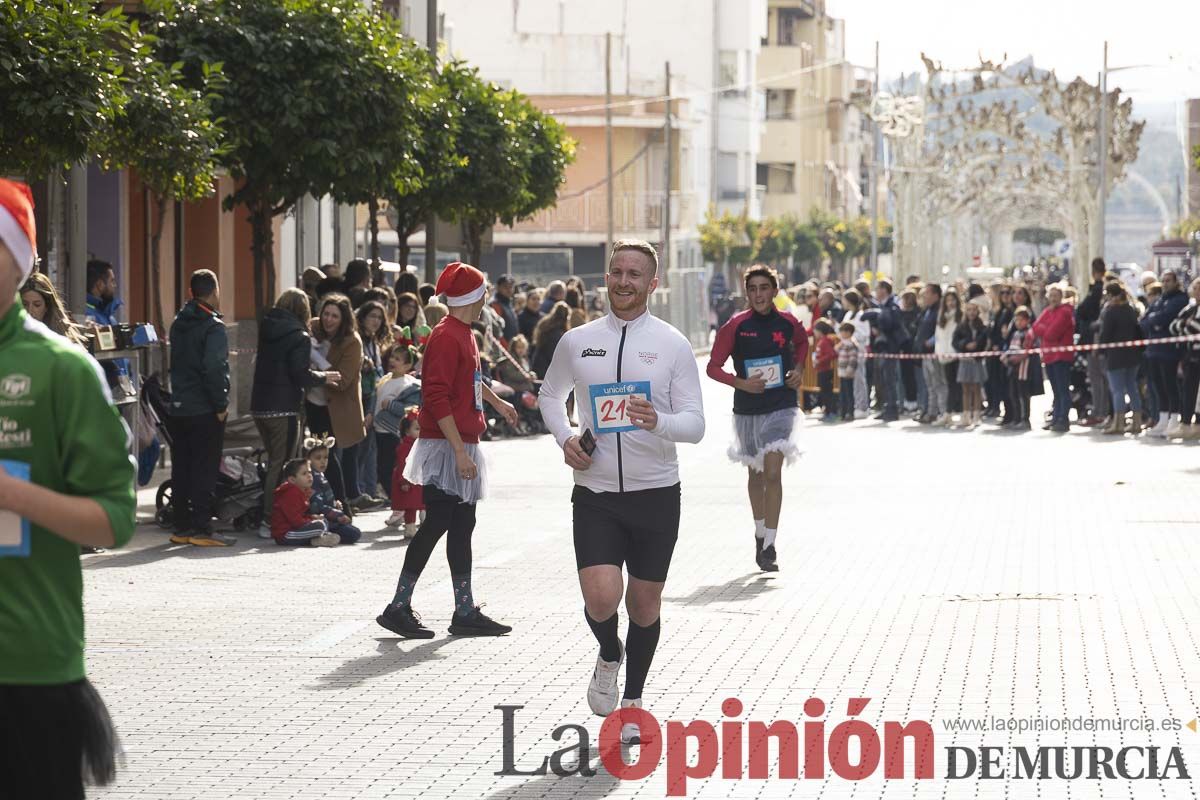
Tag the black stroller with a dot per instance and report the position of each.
(237, 498)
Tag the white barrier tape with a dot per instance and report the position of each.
(1067, 348)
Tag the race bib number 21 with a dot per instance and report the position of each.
(610, 404)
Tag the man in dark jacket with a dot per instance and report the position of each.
(1087, 323)
(890, 337)
(199, 403)
(502, 305)
(1162, 360)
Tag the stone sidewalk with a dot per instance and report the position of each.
(943, 574)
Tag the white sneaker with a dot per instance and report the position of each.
(395, 520)
(631, 732)
(1159, 431)
(326, 540)
(410, 530)
(1174, 427)
(602, 691)
(264, 531)
(861, 414)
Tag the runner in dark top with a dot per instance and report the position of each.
(768, 348)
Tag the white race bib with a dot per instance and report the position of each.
(769, 369)
(610, 404)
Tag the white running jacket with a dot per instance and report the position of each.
(604, 363)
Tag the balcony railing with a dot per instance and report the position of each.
(588, 213)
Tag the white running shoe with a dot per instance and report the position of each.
(395, 520)
(1159, 431)
(1174, 427)
(602, 691)
(631, 732)
(264, 531)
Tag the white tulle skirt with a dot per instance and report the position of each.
(755, 435)
(431, 463)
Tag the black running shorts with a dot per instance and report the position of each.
(635, 529)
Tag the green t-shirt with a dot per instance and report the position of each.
(57, 416)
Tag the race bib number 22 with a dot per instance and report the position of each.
(610, 404)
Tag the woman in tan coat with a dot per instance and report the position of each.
(335, 327)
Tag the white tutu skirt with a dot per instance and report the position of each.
(431, 463)
(755, 435)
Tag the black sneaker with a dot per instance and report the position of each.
(403, 621)
(476, 623)
(766, 559)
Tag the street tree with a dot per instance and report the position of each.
(298, 94)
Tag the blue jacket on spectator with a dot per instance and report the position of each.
(1158, 317)
(926, 329)
(103, 313)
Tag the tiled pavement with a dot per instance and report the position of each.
(939, 573)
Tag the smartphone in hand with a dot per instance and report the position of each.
(588, 442)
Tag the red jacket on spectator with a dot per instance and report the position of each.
(825, 355)
(290, 511)
(413, 499)
(1056, 328)
(448, 372)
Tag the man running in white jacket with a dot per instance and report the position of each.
(637, 389)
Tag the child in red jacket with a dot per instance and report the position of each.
(407, 498)
(824, 360)
(290, 521)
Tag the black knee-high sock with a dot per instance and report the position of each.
(639, 652)
(606, 634)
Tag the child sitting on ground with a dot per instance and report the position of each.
(407, 498)
(290, 521)
(322, 502)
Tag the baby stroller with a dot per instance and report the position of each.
(237, 498)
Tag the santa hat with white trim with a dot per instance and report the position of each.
(461, 283)
(18, 231)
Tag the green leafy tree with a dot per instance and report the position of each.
(61, 84)
(300, 79)
(383, 156)
(717, 236)
(512, 160)
(166, 132)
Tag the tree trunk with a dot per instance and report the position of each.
(156, 309)
(403, 251)
(261, 247)
(373, 221)
(475, 241)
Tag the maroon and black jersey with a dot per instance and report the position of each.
(765, 345)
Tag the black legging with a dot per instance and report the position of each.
(443, 512)
(385, 459)
(1191, 385)
(1163, 371)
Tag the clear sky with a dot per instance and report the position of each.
(1066, 35)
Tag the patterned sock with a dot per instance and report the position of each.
(760, 528)
(464, 601)
(769, 536)
(606, 634)
(404, 589)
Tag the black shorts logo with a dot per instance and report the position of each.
(593, 351)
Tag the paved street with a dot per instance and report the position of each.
(942, 574)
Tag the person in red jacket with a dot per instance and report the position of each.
(446, 461)
(824, 360)
(1056, 328)
(290, 521)
(407, 497)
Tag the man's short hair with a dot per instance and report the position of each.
(1098, 265)
(762, 271)
(935, 286)
(97, 269)
(505, 280)
(357, 271)
(883, 283)
(203, 283)
(639, 245)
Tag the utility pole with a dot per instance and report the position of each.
(874, 177)
(1103, 156)
(608, 145)
(431, 41)
(665, 256)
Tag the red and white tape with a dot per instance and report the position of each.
(1068, 348)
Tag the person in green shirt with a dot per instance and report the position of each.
(66, 481)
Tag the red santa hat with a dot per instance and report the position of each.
(461, 283)
(18, 231)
